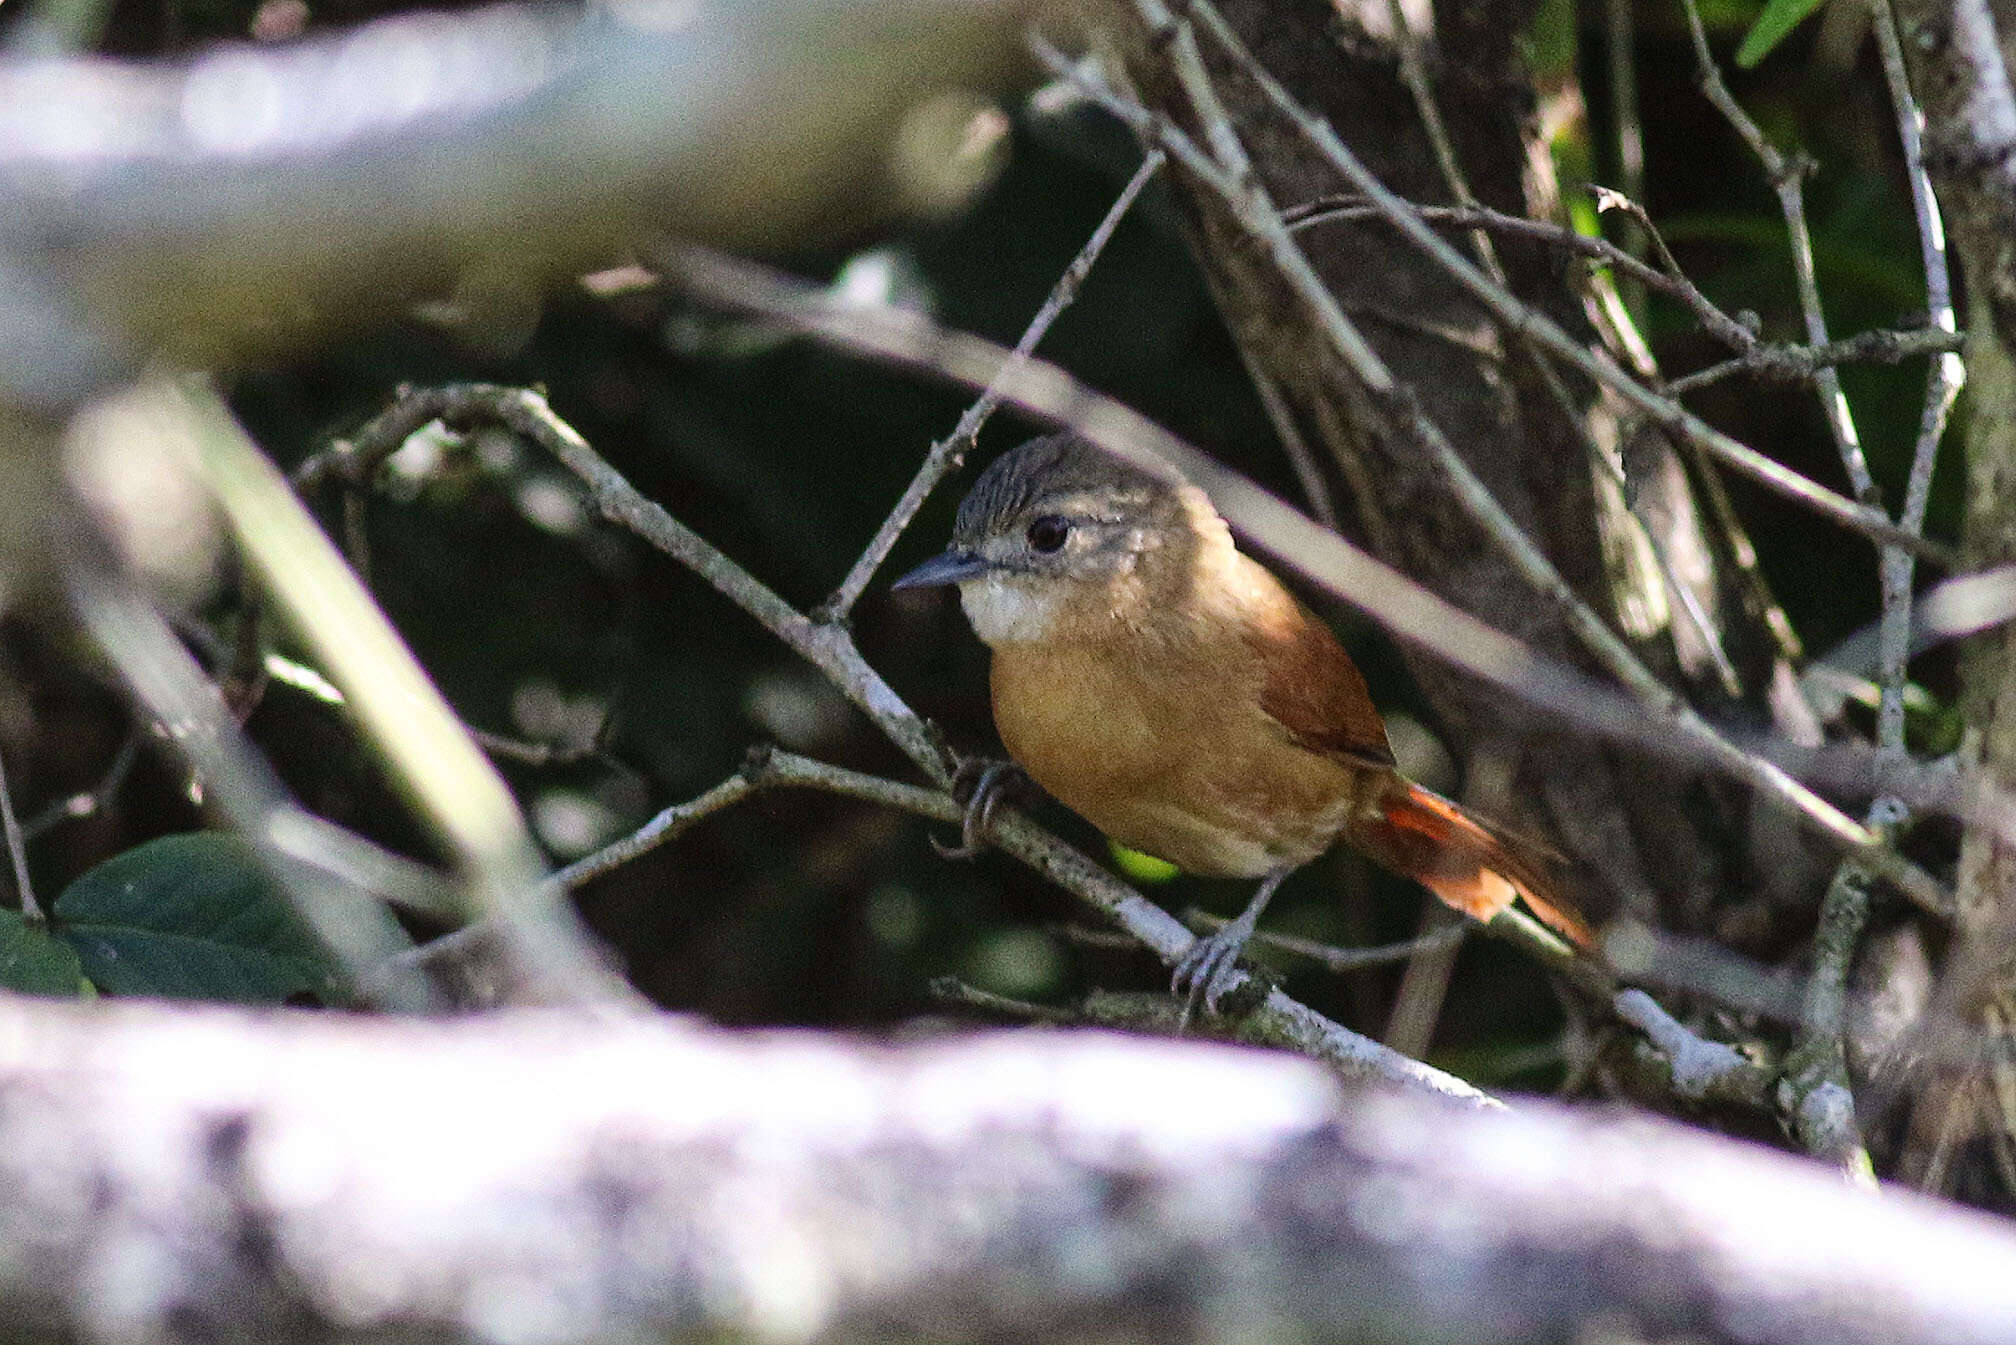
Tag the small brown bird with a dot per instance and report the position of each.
(1170, 691)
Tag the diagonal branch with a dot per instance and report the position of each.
(1509, 311)
(1277, 1020)
(1673, 285)
(946, 455)
(1787, 176)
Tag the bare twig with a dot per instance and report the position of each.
(1338, 959)
(535, 754)
(1799, 364)
(1943, 379)
(1702, 1070)
(1595, 364)
(17, 854)
(1609, 198)
(765, 769)
(1818, 1095)
(1301, 458)
(166, 681)
(946, 455)
(91, 800)
(1786, 176)
(952, 991)
(1673, 285)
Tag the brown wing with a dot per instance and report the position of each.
(1311, 685)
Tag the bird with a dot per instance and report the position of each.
(1170, 690)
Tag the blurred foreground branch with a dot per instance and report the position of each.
(230, 202)
(307, 1177)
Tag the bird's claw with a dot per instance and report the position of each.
(1208, 971)
(989, 782)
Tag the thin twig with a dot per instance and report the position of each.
(1787, 176)
(1338, 959)
(1668, 415)
(765, 769)
(1673, 285)
(1609, 198)
(946, 455)
(1301, 458)
(955, 993)
(1818, 1097)
(1943, 379)
(17, 852)
(91, 800)
(534, 754)
(1799, 364)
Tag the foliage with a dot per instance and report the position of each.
(192, 916)
(1773, 26)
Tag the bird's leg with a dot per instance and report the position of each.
(989, 782)
(1210, 968)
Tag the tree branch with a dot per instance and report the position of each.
(551, 138)
(291, 1176)
(1277, 1019)
(946, 455)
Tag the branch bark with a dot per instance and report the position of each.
(182, 1174)
(1957, 53)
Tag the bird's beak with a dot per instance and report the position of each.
(953, 566)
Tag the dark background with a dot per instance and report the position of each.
(797, 908)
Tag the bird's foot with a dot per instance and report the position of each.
(982, 785)
(1209, 970)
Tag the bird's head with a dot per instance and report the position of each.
(1060, 539)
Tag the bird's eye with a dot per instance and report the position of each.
(1047, 533)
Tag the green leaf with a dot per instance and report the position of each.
(1773, 26)
(1141, 868)
(192, 917)
(33, 962)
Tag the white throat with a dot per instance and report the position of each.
(1006, 609)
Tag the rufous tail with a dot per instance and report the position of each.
(1470, 864)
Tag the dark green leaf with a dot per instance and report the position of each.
(32, 961)
(1773, 26)
(192, 917)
